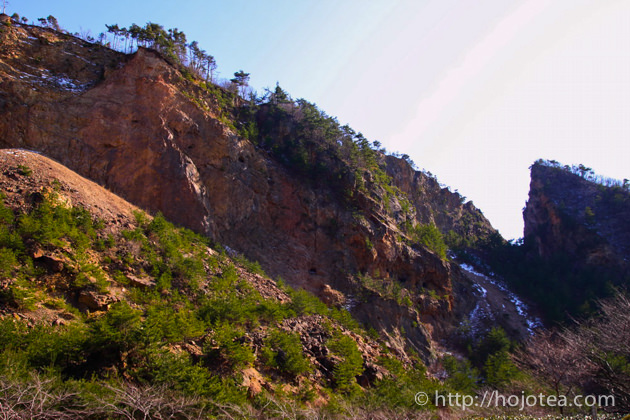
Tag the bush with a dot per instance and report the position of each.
(24, 170)
(117, 331)
(398, 389)
(48, 224)
(431, 237)
(492, 355)
(62, 347)
(285, 353)
(165, 323)
(499, 369)
(462, 376)
(231, 350)
(349, 367)
(177, 371)
(8, 262)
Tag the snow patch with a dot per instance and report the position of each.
(350, 303)
(521, 308)
(79, 57)
(19, 152)
(44, 77)
(482, 290)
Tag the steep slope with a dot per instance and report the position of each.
(137, 125)
(568, 213)
(576, 246)
(463, 225)
(93, 289)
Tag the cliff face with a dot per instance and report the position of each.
(435, 204)
(576, 246)
(568, 214)
(137, 126)
(89, 249)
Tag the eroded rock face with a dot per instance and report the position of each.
(136, 126)
(567, 214)
(448, 210)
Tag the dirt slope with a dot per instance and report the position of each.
(25, 173)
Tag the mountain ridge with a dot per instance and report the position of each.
(93, 287)
(142, 129)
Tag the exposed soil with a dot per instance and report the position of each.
(29, 174)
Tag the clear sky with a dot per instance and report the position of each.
(473, 91)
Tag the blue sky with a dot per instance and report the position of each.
(474, 92)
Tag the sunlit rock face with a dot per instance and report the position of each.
(136, 125)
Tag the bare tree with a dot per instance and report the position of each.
(551, 358)
(605, 343)
(149, 402)
(593, 356)
(37, 399)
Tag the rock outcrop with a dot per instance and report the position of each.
(432, 203)
(569, 214)
(577, 241)
(136, 125)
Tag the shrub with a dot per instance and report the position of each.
(230, 347)
(431, 237)
(285, 353)
(116, 331)
(349, 367)
(8, 262)
(177, 371)
(48, 346)
(499, 369)
(24, 170)
(462, 376)
(304, 303)
(164, 323)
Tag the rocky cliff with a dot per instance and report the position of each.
(462, 223)
(143, 129)
(74, 257)
(577, 241)
(569, 214)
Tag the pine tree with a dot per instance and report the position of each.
(240, 80)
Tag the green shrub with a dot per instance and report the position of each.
(271, 311)
(48, 224)
(8, 262)
(431, 237)
(349, 367)
(24, 170)
(285, 353)
(305, 303)
(499, 369)
(116, 331)
(398, 389)
(12, 334)
(63, 346)
(462, 376)
(165, 323)
(178, 372)
(251, 266)
(230, 350)
(492, 355)
(22, 294)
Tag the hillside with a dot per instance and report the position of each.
(95, 290)
(281, 182)
(306, 273)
